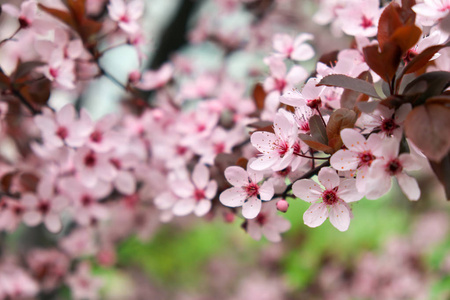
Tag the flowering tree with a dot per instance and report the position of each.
(191, 139)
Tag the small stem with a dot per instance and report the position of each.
(111, 48)
(112, 78)
(311, 157)
(11, 37)
(321, 117)
(25, 102)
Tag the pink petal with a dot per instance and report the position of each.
(254, 230)
(200, 176)
(379, 181)
(165, 200)
(66, 115)
(266, 191)
(307, 190)
(353, 140)
(264, 162)
(340, 216)
(282, 42)
(32, 218)
(296, 75)
(328, 178)
(125, 182)
(303, 52)
(409, 186)
(271, 233)
(202, 208)
(182, 188)
(315, 215)
(236, 176)
(184, 207)
(211, 189)
(263, 141)
(347, 191)
(59, 203)
(29, 200)
(344, 160)
(408, 162)
(251, 208)
(53, 223)
(233, 197)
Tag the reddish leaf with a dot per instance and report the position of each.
(442, 171)
(4, 81)
(28, 181)
(259, 95)
(388, 23)
(63, 16)
(421, 59)
(339, 119)
(24, 69)
(406, 37)
(316, 145)
(318, 130)
(350, 83)
(384, 63)
(428, 126)
(426, 86)
(442, 99)
(7, 181)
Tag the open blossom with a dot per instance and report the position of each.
(387, 121)
(268, 223)
(389, 163)
(295, 49)
(247, 190)
(359, 155)
(310, 95)
(152, 80)
(83, 285)
(361, 19)
(196, 195)
(44, 207)
(63, 127)
(329, 199)
(126, 14)
(278, 149)
(432, 10)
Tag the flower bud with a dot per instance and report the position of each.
(282, 205)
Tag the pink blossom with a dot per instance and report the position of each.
(152, 80)
(389, 163)
(196, 195)
(80, 242)
(329, 199)
(432, 10)
(126, 14)
(360, 19)
(93, 167)
(11, 213)
(15, 283)
(49, 266)
(268, 223)
(280, 80)
(103, 138)
(83, 285)
(44, 207)
(295, 49)
(247, 190)
(310, 95)
(26, 15)
(278, 149)
(63, 127)
(359, 155)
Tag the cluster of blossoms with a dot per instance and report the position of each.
(201, 140)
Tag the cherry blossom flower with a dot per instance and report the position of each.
(361, 19)
(295, 49)
(93, 167)
(278, 149)
(387, 121)
(310, 95)
(103, 138)
(152, 80)
(268, 223)
(83, 285)
(26, 15)
(389, 163)
(11, 213)
(126, 14)
(44, 207)
(359, 155)
(63, 127)
(329, 199)
(247, 190)
(195, 196)
(49, 266)
(432, 10)
(15, 283)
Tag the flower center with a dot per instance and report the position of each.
(44, 207)
(219, 148)
(366, 22)
(90, 159)
(252, 189)
(282, 147)
(388, 126)
(62, 132)
(280, 84)
(329, 197)
(261, 219)
(86, 200)
(366, 158)
(96, 137)
(199, 194)
(394, 167)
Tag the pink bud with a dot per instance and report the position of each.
(282, 205)
(106, 257)
(134, 76)
(229, 217)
